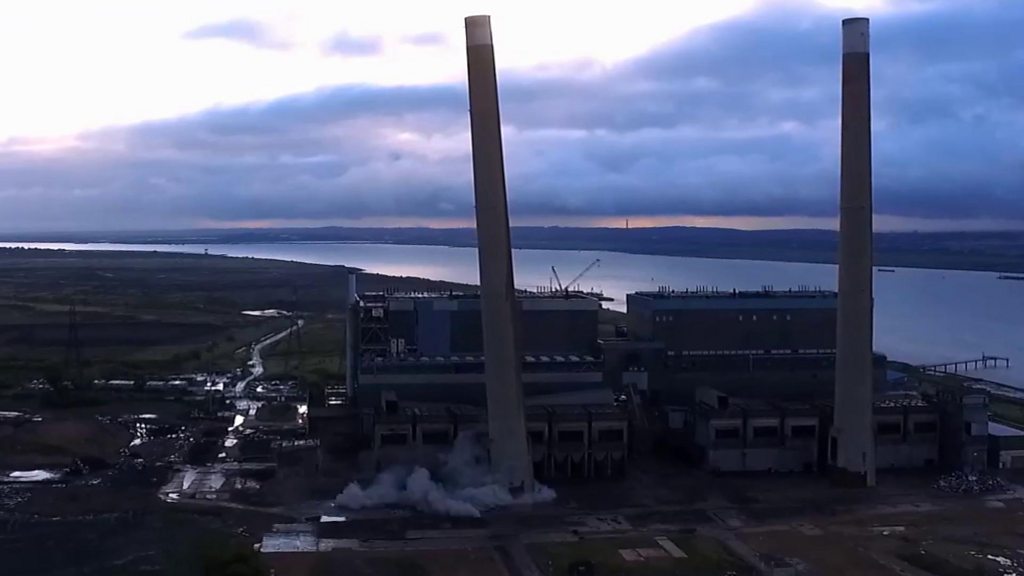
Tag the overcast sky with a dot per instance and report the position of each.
(132, 114)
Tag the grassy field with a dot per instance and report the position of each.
(316, 352)
(142, 314)
(1007, 411)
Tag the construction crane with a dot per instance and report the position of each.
(581, 274)
(568, 286)
(557, 279)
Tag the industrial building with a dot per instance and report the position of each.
(707, 322)
(421, 380)
(732, 434)
(760, 343)
(754, 435)
(429, 347)
(443, 324)
(1006, 446)
(758, 380)
(744, 380)
(564, 441)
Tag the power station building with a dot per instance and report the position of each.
(723, 433)
(429, 347)
(743, 381)
(717, 322)
(419, 380)
(764, 380)
(565, 441)
(779, 344)
(442, 324)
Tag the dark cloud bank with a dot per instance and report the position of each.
(739, 118)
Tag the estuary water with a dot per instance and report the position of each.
(921, 316)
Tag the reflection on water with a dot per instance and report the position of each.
(920, 315)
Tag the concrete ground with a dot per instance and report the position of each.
(902, 527)
(724, 524)
(970, 536)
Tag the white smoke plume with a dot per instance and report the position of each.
(464, 486)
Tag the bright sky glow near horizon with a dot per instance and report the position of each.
(128, 114)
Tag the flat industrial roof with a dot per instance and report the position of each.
(598, 396)
(467, 358)
(445, 295)
(997, 429)
(756, 294)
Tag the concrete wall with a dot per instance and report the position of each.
(588, 453)
(639, 317)
(1011, 459)
(750, 329)
(467, 388)
(387, 453)
(905, 438)
(906, 454)
(793, 384)
(777, 459)
(963, 429)
(675, 378)
(734, 323)
(752, 452)
(434, 331)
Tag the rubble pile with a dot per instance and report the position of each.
(970, 483)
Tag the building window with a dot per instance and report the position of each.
(889, 428)
(741, 317)
(574, 436)
(611, 435)
(788, 317)
(753, 318)
(803, 431)
(536, 437)
(928, 427)
(771, 431)
(393, 439)
(775, 316)
(435, 437)
(732, 433)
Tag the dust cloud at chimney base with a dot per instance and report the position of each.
(464, 486)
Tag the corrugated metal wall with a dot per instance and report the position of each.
(433, 330)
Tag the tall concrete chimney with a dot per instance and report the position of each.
(510, 456)
(853, 437)
(351, 339)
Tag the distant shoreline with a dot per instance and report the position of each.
(997, 252)
(142, 248)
